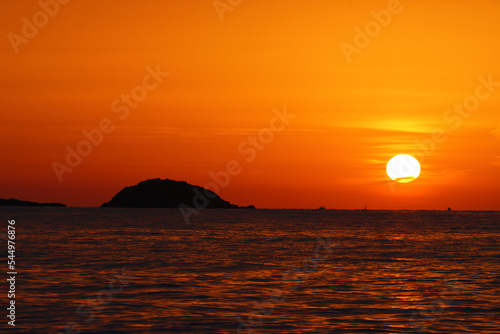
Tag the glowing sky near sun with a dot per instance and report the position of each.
(422, 83)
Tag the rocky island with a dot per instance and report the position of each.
(16, 202)
(158, 193)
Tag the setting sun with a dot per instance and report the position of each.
(403, 168)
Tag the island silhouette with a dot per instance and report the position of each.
(158, 193)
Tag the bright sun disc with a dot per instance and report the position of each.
(403, 168)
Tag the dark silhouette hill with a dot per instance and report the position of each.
(17, 202)
(158, 193)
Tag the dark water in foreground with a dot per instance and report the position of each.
(262, 271)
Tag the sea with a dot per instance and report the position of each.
(110, 270)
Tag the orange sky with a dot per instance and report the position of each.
(225, 79)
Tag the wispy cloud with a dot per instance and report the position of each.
(496, 132)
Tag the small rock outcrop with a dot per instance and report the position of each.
(17, 202)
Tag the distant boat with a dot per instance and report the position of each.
(449, 209)
(321, 208)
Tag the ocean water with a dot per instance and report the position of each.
(93, 270)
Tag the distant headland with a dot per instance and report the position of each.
(158, 193)
(17, 202)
